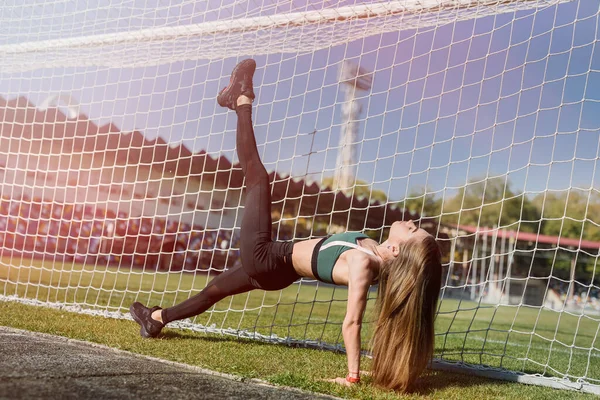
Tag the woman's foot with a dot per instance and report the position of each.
(141, 314)
(240, 84)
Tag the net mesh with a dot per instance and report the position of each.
(477, 119)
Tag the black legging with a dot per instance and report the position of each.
(265, 264)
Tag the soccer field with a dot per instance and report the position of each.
(524, 339)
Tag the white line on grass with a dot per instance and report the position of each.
(495, 341)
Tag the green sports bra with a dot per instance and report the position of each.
(328, 250)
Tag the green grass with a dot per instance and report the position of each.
(538, 341)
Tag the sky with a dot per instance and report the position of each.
(515, 95)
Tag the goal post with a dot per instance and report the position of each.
(211, 39)
(119, 180)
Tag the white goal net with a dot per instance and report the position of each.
(478, 119)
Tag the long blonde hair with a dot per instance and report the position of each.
(403, 338)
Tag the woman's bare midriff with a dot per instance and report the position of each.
(302, 256)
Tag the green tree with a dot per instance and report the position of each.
(423, 203)
(491, 202)
(573, 214)
(361, 189)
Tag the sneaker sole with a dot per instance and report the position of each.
(143, 331)
(240, 65)
(236, 69)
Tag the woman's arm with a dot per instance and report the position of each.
(360, 276)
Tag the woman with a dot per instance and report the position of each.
(406, 266)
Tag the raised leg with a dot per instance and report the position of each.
(231, 282)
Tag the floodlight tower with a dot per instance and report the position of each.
(352, 78)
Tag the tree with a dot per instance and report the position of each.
(361, 189)
(424, 203)
(491, 202)
(571, 214)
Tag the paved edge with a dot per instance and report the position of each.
(194, 368)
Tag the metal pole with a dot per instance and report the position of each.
(493, 282)
(474, 268)
(483, 262)
(508, 268)
(501, 264)
(465, 261)
(451, 265)
(572, 280)
(346, 154)
(352, 78)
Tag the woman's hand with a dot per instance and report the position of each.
(340, 381)
(345, 381)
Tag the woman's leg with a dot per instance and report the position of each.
(231, 282)
(255, 236)
(255, 229)
(268, 263)
(255, 232)
(260, 256)
(255, 240)
(256, 225)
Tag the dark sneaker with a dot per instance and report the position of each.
(143, 316)
(240, 83)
